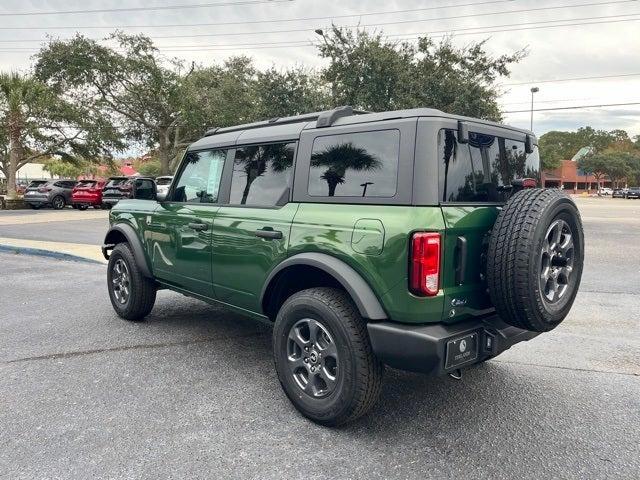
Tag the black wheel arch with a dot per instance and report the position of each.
(334, 271)
(125, 233)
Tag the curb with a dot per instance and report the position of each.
(47, 253)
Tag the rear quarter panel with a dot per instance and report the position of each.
(349, 233)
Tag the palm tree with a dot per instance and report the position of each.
(339, 159)
(16, 93)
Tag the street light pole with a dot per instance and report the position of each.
(533, 90)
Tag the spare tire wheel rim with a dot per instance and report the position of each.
(556, 262)
(312, 358)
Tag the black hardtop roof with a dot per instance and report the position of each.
(345, 115)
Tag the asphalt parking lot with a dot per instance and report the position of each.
(192, 393)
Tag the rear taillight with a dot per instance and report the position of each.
(424, 264)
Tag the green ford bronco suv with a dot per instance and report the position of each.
(414, 239)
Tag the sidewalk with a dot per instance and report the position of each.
(61, 250)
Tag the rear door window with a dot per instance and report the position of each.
(484, 169)
(262, 174)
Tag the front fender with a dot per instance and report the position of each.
(125, 233)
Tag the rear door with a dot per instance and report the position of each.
(180, 230)
(251, 233)
(475, 180)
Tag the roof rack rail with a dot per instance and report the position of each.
(323, 119)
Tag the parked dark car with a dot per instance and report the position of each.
(56, 193)
(634, 192)
(619, 193)
(88, 193)
(116, 189)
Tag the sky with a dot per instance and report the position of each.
(580, 38)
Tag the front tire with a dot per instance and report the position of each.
(323, 357)
(132, 294)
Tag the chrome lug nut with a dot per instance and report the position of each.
(306, 360)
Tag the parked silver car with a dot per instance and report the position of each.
(56, 193)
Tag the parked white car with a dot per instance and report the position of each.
(605, 191)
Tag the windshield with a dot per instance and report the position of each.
(115, 182)
(86, 183)
(37, 183)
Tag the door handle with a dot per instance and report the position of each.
(198, 226)
(270, 234)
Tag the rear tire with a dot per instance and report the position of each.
(132, 294)
(58, 202)
(347, 377)
(535, 259)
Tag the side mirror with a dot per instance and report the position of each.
(144, 189)
(463, 132)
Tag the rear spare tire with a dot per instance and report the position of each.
(535, 258)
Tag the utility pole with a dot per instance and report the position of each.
(533, 90)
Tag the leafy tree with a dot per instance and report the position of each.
(556, 146)
(70, 169)
(35, 123)
(596, 165)
(290, 92)
(148, 168)
(618, 166)
(372, 73)
(132, 86)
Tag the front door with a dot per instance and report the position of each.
(251, 234)
(181, 228)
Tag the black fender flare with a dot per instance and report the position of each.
(366, 301)
(129, 233)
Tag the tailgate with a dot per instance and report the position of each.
(465, 246)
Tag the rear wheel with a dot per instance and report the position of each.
(58, 202)
(535, 259)
(132, 294)
(323, 357)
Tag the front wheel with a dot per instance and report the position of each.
(82, 207)
(132, 294)
(323, 357)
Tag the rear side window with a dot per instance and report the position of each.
(355, 165)
(262, 174)
(483, 169)
(199, 180)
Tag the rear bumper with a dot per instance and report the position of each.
(423, 348)
(86, 201)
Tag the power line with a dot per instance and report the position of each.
(308, 43)
(253, 22)
(575, 107)
(140, 9)
(397, 22)
(573, 79)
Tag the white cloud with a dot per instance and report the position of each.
(591, 50)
